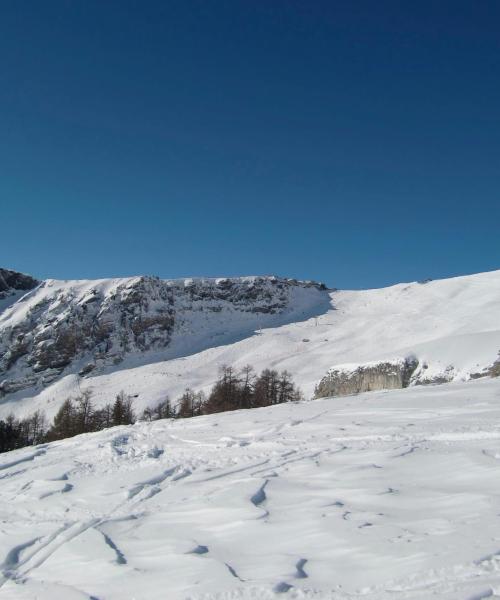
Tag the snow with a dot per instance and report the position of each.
(391, 494)
(452, 326)
(15, 314)
(382, 495)
(349, 368)
(10, 298)
(205, 317)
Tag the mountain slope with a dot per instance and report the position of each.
(379, 496)
(74, 328)
(451, 326)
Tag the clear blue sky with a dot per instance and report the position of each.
(355, 142)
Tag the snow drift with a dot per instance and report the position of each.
(380, 496)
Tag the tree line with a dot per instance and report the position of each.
(17, 433)
(233, 390)
(76, 415)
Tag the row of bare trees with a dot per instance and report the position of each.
(76, 415)
(17, 433)
(233, 390)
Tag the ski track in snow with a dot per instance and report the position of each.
(379, 496)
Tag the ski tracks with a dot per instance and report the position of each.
(27, 556)
(19, 564)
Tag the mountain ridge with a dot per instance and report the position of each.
(78, 326)
(180, 332)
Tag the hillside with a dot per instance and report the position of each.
(378, 496)
(152, 337)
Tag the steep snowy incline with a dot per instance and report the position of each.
(77, 328)
(451, 326)
(379, 496)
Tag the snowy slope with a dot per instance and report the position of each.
(378, 496)
(452, 326)
(63, 330)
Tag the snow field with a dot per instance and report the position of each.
(378, 496)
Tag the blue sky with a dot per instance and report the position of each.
(356, 143)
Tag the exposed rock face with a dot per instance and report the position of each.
(494, 370)
(342, 380)
(82, 326)
(491, 371)
(444, 376)
(11, 281)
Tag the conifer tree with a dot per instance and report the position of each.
(64, 420)
(123, 413)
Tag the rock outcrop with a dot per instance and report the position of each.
(83, 326)
(12, 281)
(494, 370)
(342, 380)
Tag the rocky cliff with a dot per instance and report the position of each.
(346, 379)
(12, 281)
(64, 327)
(13, 285)
(342, 380)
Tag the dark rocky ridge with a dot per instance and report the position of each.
(14, 281)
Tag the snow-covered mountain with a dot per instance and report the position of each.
(75, 329)
(382, 496)
(152, 337)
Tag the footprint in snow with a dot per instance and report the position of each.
(301, 574)
(200, 549)
(155, 452)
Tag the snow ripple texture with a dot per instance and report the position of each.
(378, 496)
